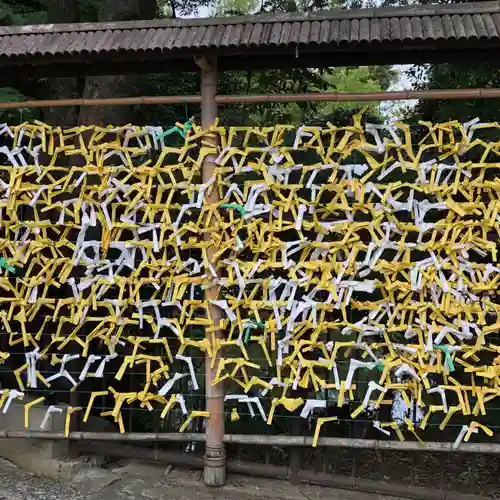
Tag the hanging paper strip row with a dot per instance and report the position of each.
(355, 267)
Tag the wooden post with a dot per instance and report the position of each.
(215, 455)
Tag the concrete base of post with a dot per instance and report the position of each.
(44, 457)
(214, 471)
(37, 456)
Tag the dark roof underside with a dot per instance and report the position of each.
(330, 38)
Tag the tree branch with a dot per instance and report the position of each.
(172, 7)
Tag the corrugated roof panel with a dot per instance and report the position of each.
(438, 28)
(375, 36)
(464, 23)
(470, 29)
(480, 27)
(364, 30)
(116, 43)
(427, 28)
(449, 31)
(46, 43)
(334, 31)
(180, 41)
(103, 41)
(28, 45)
(247, 34)
(491, 29)
(59, 43)
(395, 29)
(200, 33)
(458, 26)
(73, 39)
(294, 35)
(256, 34)
(190, 36)
(237, 37)
(385, 30)
(315, 33)
(266, 34)
(83, 41)
(416, 28)
(228, 35)
(218, 35)
(169, 42)
(146, 42)
(9, 44)
(127, 41)
(354, 35)
(140, 39)
(207, 37)
(405, 27)
(305, 30)
(286, 28)
(274, 39)
(324, 32)
(90, 48)
(159, 38)
(496, 20)
(24, 46)
(345, 31)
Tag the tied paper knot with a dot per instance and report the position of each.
(179, 128)
(379, 366)
(252, 325)
(235, 206)
(447, 356)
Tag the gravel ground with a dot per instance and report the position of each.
(140, 481)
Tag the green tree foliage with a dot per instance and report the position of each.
(9, 94)
(19, 12)
(22, 12)
(116, 85)
(456, 75)
(236, 7)
(468, 74)
(271, 81)
(301, 5)
(181, 8)
(301, 80)
(351, 80)
(14, 12)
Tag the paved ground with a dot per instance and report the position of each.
(139, 481)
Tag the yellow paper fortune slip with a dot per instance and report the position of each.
(341, 272)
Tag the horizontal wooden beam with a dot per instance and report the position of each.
(262, 440)
(401, 95)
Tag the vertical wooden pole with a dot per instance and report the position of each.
(215, 455)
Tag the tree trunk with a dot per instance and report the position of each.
(116, 85)
(63, 11)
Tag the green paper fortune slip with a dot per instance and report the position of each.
(236, 206)
(252, 326)
(179, 128)
(447, 356)
(5, 265)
